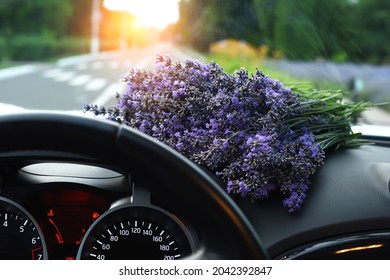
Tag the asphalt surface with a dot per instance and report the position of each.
(70, 82)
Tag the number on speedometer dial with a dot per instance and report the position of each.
(20, 236)
(136, 233)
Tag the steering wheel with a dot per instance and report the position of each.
(225, 231)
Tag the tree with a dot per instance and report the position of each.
(265, 10)
(39, 17)
(79, 23)
(203, 22)
(371, 30)
(306, 29)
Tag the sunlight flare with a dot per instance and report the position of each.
(151, 13)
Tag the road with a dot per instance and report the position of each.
(375, 78)
(95, 79)
(68, 83)
(374, 81)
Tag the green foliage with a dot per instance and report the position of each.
(203, 22)
(42, 17)
(40, 29)
(265, 10)
(30, 47)
(3, 49)
(72, 46)
(337, 116)
(79, 20)
(34, 48)
(294, 32)
(232, 64)
(371, 30)
(339, 30)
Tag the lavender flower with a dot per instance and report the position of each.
(251, 131)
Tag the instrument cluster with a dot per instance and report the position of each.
(63, 211)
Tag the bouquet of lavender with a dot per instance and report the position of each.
(254, 134)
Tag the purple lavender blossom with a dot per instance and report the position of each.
(236, 125)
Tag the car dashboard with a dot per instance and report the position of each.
(85, 209)
(48, 208)
(346, 214)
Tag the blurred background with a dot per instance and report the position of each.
(330, 43)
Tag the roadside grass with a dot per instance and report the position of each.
(233, 63)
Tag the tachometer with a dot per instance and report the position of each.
(136, 232)
(20, 236)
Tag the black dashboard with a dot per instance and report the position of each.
(346, 214)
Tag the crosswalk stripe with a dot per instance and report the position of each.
(109, 93)
(80, 80)
(114, 64)
(52, 73)
(64, 76)
(82, 66)
(89, 83)
(96, 84)
(97, 65)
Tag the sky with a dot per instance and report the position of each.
(151, 13)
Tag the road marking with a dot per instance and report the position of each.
(119, 87)
(64, 76)
(96, 84)
(80, 80)
(82, 66)
(52, 73)
(109, 93)
(97, 65)
(86, 58)
(114, 64)
(17, 71)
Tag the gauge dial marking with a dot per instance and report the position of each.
(135, 233)
(20, 239)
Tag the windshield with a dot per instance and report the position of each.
(59, 55)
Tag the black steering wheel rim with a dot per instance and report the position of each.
(52, 135)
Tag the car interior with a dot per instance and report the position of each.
(75, 186)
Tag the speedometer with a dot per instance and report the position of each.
(136, 232)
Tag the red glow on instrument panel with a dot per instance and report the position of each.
(95, 215)
(50, 213)
(58, 234)
(33, 251)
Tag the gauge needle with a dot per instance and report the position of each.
(82, 235)
(58, 234)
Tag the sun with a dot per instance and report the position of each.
(151, 13)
